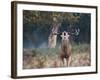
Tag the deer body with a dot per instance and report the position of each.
(65, 49)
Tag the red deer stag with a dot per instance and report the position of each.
(65, 47)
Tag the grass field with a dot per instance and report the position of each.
(44, 58)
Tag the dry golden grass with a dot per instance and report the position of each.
(37, 59)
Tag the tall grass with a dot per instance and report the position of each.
(48, 58)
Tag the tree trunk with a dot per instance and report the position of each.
(52, 39)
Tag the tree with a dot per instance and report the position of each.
(45, 24)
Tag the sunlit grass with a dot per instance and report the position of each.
(49, 58)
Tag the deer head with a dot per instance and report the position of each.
(65, 35)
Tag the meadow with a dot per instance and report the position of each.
(49, 58)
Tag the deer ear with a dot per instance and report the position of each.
(61, 35)
(68, 35)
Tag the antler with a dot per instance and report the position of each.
(76, 32)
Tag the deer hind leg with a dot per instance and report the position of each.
(68, 61)
(62, 62)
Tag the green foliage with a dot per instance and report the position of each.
(37, 25)
(43, 17)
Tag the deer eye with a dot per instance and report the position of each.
(64, 34)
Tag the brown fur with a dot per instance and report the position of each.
(65, 51)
